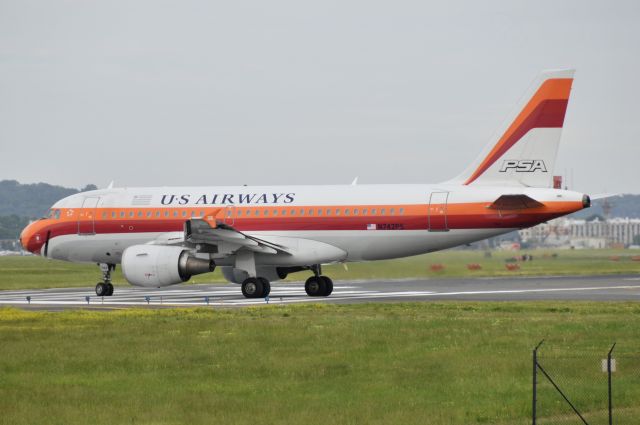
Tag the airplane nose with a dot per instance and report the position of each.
(30, 238)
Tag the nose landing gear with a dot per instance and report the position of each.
(105, 288)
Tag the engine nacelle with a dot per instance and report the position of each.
(156, 265)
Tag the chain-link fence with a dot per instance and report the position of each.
(585, 386)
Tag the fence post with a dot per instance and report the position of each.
(535, 382)
(609, 376)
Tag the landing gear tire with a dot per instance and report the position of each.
(102, 289)
(315, 286)
(328, 285)
(266, 285)
(256, 287)
(318, 286)
(109, 290)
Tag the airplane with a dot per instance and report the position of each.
(162, 236)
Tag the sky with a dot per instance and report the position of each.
(161, 93)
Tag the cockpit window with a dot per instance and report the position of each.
(53, 214)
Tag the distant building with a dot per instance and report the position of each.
(597, 233)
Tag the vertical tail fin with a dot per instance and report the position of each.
(525, 153)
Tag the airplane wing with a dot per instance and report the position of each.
(514, 202)
(227, 239)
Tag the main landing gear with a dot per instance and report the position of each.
(316, 286)
(256, 287)
(105, 288)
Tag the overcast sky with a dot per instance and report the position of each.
(294, 92)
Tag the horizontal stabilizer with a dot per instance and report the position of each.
(604, 196)
(515, 202)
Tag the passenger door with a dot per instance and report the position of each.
(86, 216)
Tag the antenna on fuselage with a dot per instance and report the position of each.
(111, 184)
(355, 181)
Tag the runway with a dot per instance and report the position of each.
(587, 288)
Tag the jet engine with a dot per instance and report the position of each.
(155, 265)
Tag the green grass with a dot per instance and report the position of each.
(35, 272)
(419, 363)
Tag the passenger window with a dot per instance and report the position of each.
(284, 212)
(157, 213)
(319, 212)
(131, 214)
(257, 213)
(275, 212)
(139, 213)
(346, 212)
(113, 214)
(392, 211)
(355, 211)
(373, 211)
(293, 212)
(266, 212)
(401, 211)
(382, 211)
(301, 212)
(328, 211)
(184, 213)
(166, 213)
(201, 214)
(310, 211)
(337, 211)
(121, 214)
(364, 211)
(175, 213)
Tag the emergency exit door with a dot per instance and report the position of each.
(437, 217)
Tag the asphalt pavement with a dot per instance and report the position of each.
(586, 288)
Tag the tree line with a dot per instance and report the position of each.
(22, 203)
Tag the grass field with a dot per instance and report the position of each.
(34, 272)
(419, 363)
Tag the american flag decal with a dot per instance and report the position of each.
(371, 227)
